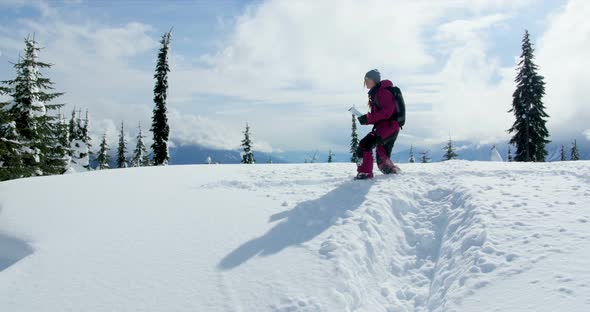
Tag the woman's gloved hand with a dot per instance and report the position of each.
(363, 120)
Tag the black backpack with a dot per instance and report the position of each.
(400, 114)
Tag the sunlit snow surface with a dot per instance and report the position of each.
(454, 236)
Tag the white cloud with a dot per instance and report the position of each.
(563, 59)
(323, 45)
(107, 127)
(122, 42)
(291, 68)
(279, 45)
(467, 104)
(194, 129)
(462, 30)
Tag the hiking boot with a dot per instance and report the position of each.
(389, 169)
(363, 176)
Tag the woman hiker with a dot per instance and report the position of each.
(382, 105)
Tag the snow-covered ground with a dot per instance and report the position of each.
(455, 236)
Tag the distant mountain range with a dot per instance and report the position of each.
(482, 152)
(197, 154)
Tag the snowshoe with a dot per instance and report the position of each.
(363, 176)
(390, 169)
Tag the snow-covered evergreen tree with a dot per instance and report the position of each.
(122, 149)
(11, 166)
(160, 127)
(33, 124)
(330, 156)
(140, 156)
(64, 141)
(574, 153)
(424, 157)
(248, 155)
(72, 125)
(412, 158)
(562, 153)
(86, 140)
(510, 158)
(58, 152)
(103, 158)
(354, 141)
(529, 129)
(450, 153)
(79, 141)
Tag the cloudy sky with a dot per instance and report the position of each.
(292, 68)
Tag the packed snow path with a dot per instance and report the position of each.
(455, 236)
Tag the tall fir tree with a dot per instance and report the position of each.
(450, 153)
(354, 141)
(122, 149)
(33, 123)
(160, 127)
(529, 128)
(86, 140)
(79, 141)
(11, 160)
(103, 158)
(412, 158)
(248, 156)
(424, 157)
(11, 166)
(574, 153)
(72, 125)
(330, 156)
(57, 155)
(562, 153)
(64, 141)
(140, 154)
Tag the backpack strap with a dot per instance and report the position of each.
(396, 114)
(376, 102)
(372, 95)
(400, 113)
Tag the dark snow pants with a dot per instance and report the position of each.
(364, 152)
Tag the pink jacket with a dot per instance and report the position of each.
(383, 106)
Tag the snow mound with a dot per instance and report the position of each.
(452, 236)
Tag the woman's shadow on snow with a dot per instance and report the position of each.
(301, 224)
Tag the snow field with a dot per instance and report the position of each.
(454, 236)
